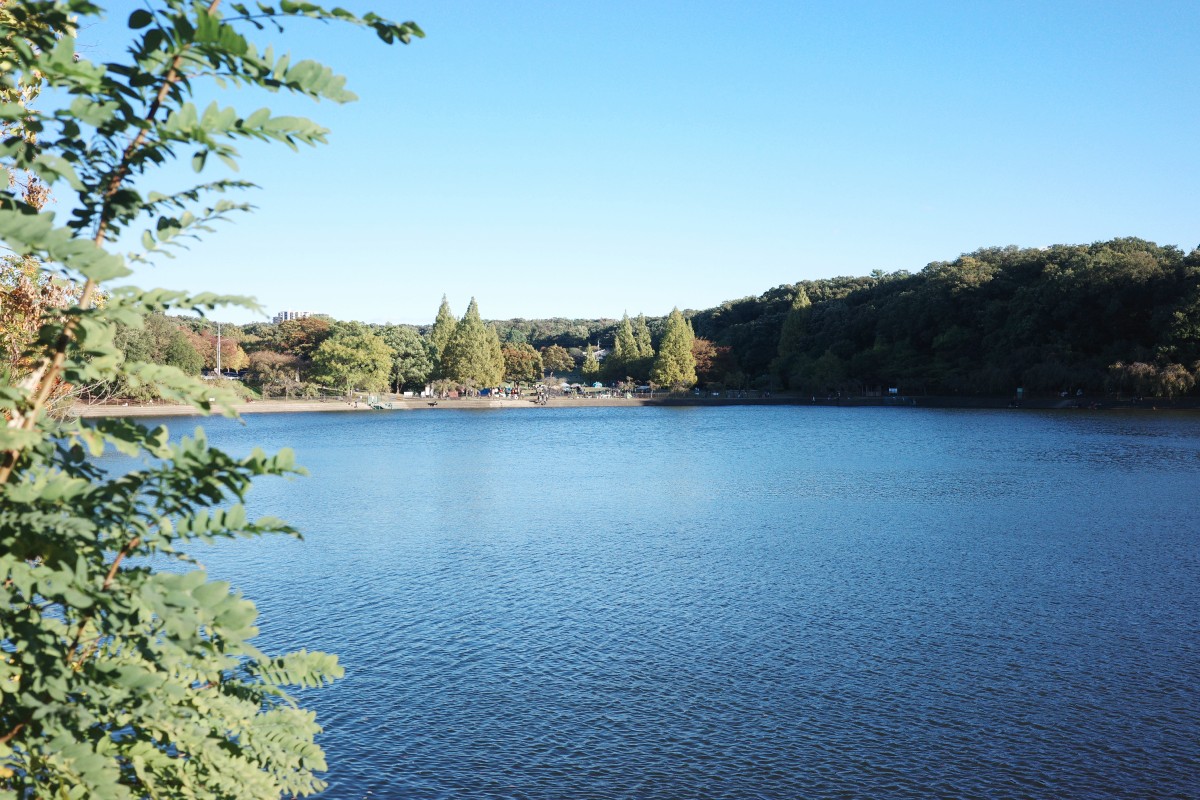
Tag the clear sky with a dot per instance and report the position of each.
(585, 159)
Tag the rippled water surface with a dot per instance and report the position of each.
(740, 602)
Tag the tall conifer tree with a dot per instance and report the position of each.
(495, 354)
(675, 366)
(591, 365)
(791, 336)
(439, 335)
(473, 355)
(622, 361)
(625, 346)
(641, 333)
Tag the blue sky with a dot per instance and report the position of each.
(586, 159)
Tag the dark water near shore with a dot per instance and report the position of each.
(740, 602)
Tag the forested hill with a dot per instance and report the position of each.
(1116, 315)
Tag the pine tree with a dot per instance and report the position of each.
(625, 346)
(591, 366)
(675, 365)
(472, 355)
(439, 335)
(495, 357)
(623, 358)
(641, 333)
(791, 336)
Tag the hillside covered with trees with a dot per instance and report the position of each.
(1122, 315)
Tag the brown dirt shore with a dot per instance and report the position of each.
(298, 406)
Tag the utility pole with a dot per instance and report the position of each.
(218, 350)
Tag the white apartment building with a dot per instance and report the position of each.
(284, 316)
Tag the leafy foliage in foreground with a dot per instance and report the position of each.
(117, 681)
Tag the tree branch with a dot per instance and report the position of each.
(108, 579)
(6, 738)
(53, 366)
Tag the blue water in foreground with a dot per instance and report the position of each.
(740, 602)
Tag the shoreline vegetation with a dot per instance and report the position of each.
(123, 409)
(1111, 319)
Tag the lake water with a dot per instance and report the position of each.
(766, 602)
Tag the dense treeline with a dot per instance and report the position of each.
(317, 355)
(1122, 315)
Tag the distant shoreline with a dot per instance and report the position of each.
(422, 404)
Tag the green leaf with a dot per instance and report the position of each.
(140, 19)
(210, 593)
(17, 439)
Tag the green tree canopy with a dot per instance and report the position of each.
(472, 356)
(181, 354)
(557, 359)
(302, 337)
(354, 358)
(233, 357)
(160, 340)
(522, 364)
(412, 357)
(274, 371)
(675, 366)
